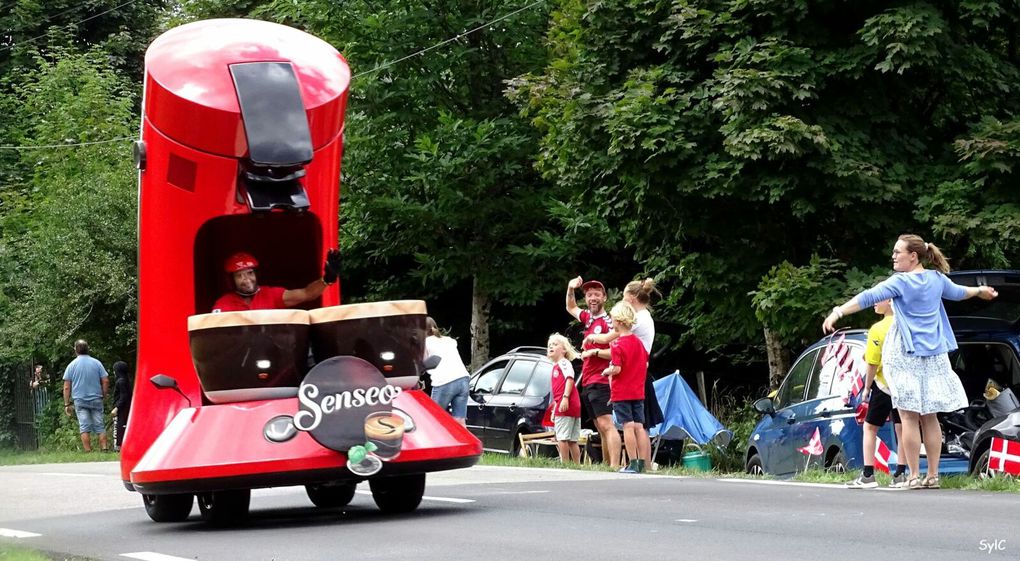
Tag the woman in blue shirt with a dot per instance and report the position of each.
(915, 357)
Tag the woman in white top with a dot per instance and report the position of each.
(450, 378)
(639, 295)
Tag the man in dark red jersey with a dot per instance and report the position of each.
(248, 295)
(595, 386)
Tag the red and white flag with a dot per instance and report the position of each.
(1004, 456)
(884, 457)
(855, 387)
(834, 347)
(814, 448)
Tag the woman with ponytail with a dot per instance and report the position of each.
(450, 377)
(638, 294)
(915, 356)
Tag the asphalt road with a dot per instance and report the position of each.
(506, 513)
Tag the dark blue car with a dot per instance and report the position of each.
(812, 394)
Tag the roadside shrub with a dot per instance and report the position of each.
(739, 417)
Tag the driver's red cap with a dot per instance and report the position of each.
(239, 262)
(593, 284)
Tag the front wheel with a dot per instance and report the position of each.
(754, 467)
(838, 463)
(224, 507)
(981, 465)
(168, 508)
(331, 495)
(398, 494)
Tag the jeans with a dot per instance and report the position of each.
(452, 395)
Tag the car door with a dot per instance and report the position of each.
(776, 445)
(482, 389)
(506, 406)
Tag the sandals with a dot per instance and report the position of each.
(912, 484)
(931, 482)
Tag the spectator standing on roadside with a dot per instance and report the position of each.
(40, 391)
(879, 403)
(594, 385)
(638, 294)
(122, 389)
(916, 354)
(566, 402)
(627, 370)
(450, 378)
(87, 384)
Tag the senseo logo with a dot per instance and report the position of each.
(313, 410)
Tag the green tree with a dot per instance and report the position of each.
(724, 138)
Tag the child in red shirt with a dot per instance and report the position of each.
(626, 372)
(566, 400)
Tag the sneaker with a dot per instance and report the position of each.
(862, 482)
(631, 468)
(898, 481)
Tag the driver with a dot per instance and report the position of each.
(248, 295)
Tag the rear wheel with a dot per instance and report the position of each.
(331, 495)
(981, 465)
(837, 464)
(224, 507)
(754, 467)
(398, 494)
(168, 508)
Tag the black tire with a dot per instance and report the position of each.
(754, 466)
(515, 445)
(981, 465)
(168, 508)
(837, 464)
(331, 495)
(398, 494)
(224, 507)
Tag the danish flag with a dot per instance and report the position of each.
(855, 387)
(835, 347)
(1004, 456)
(883, 456)
(814, 448)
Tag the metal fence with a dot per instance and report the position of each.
(28, 404)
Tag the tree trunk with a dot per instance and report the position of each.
(779, 358)
(480, 306)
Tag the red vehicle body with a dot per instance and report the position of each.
(241, 140)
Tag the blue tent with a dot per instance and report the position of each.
(685, 416)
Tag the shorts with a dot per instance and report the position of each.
(879, 408)
(568, 429)
(452, 396)
(596, 400)
(630, 411)
(90, 415)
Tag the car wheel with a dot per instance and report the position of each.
(331, 495)
(168, 508)
(515, 446)
(398, 494)
(837, 464)
(224, 507)
(754, 467)
(981, 465)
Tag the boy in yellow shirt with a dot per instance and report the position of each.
(879, 402)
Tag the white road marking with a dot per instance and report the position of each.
(787, 483)
(428, 498)
(8, 533)
(516, 492)
(153, 556)
(63, 474)
(686, 520)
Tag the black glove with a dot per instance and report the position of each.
(331, 269)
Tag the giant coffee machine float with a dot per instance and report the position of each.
(241, 138)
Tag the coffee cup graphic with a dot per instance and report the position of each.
(385, 429)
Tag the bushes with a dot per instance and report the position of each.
(741, 419)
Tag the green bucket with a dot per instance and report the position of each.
(697, 460)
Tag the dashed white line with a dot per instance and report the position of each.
(787, 483)
(686, 520)
(8, 533)
(428, 498)
(517, 492)
(153, 556)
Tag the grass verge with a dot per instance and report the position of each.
(15, 457)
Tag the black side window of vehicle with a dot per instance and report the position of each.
(540, 380)
(792, 390)
(486, 380)
(517, 377)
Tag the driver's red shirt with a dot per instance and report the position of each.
(267, 298)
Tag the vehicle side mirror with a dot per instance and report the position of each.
(164, 382)
(477, 396)
(765, 406)
(431, 362)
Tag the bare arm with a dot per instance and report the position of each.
(302, 295)
(869, 378)
(67, 396)
(106, 387)
(837, 313)
(603, 339)
(572, 308)
(565, 400)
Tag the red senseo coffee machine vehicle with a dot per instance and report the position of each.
(242, 133)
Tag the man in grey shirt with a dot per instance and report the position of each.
(86, 382)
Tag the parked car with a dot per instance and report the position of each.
(812, 395)
(509, 396)
(1006, 427)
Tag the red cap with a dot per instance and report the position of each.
(593, 284)
(239, 262)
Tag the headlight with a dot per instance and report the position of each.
(280, 429)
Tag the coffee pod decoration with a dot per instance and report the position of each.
(361, 461)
